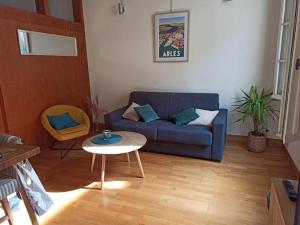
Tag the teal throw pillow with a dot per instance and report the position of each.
(147, 113)
(185, 116)
(62, 121)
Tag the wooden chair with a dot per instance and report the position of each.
(8, 186)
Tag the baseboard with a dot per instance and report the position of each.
(236, 138)
(244, 139)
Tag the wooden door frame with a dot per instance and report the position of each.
(287, 135)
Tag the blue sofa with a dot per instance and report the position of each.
(166, 137)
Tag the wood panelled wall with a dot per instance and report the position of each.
(30, 84)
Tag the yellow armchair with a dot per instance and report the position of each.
(69, 133)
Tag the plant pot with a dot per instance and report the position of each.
(256, 143)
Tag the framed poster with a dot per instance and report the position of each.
(171, 37)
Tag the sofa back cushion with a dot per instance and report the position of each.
(159, 101)
(182, 101)
(168, 104)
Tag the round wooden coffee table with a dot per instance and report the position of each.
(130, 142)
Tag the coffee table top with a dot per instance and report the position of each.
(130, 142)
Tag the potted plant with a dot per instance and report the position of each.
(97, 110)
(258, 107)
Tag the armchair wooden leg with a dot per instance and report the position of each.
(7, 211)
(65, 146)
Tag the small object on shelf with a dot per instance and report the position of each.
(290, 190)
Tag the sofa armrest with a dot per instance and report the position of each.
(113, 116)
(219, 128)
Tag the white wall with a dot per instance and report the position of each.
(232, 46)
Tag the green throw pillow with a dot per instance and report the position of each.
(185, 116)
(147, 113)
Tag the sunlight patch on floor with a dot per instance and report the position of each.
(64, 199)
(109, 185)
(61, 201)
(115, 185)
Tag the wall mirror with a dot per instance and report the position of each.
(37, 43)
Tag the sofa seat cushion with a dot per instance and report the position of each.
(196, 135)
(149, 130)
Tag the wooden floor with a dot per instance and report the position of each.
(176, 190)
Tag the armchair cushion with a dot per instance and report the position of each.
(62, 121)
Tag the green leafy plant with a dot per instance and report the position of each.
(256, 106)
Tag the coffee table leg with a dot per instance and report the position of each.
(103, 170)
(128, 157)
(140, 163)
(93, 162)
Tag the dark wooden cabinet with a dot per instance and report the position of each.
(282, 210)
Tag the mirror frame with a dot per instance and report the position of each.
(24, 45)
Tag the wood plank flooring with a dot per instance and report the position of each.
(176, 190)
